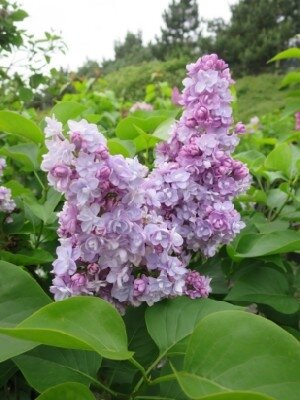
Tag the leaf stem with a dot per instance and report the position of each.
(140, 368)
(153, 365)
(160, 379)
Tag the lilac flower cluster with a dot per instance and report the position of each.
(196, 179)
(7, 204)
(126, 235)
(112, 244)
(297, 121)
(141, 105)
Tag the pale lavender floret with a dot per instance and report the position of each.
(2, 166)
(7, 204)
(197, 285)
(53, 128)
(141, 106)
(91, 140)
(66, 258)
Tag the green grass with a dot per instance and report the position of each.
(257, 95)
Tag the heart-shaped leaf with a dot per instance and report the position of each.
(170, 321)
(44, 367)
(234, 350)
(67, 391)
(84, 323)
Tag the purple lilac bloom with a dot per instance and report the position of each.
(141, 106)
(127, 235)
(297, 121)
(7, 204)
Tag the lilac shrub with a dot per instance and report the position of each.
(7, 204)
(127, 235)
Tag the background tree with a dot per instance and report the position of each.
(128, 52)
(180, 33)
(257, 30)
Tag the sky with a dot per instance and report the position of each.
(90, 27)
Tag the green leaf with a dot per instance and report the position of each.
(36, 79)
(254, 245)
(20, 296)
(18, 15)
(265, 286)
(7, 369)
(170, 321)
(126, 128)
(17, 189)
(44, 212)
(44, 367)
(290, 78)
(274, 226)
(83, 323)
(276, 198)
(124, 147)
(139, 340)
(193, 386)
(25, 153)
(280, 159)
(65, 110)
(16, 124)
(25, 94)
(164, 130)
(67, 391)
(234, 350)
(27, 257)
(293, 52)
(254, 159)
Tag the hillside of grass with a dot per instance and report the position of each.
(257, 95)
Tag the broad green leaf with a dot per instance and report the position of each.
(18, 189)
(25, 153)
(144, 142)
(7, 369)
(280, 159)
(169, 321)
(237, 396)
(20, 296)
(44, 367)
(197, 387)
(255, 245)
(126, 128)
(293, 52)
(254, 159)
(235, 350)
(16, 124)
(83, 323)
(276, 198)
(291, 78)
(44, 212)
(139, 340)
(266, 286)
(124, 147)
(164, 130)
(67, 391)
(25, 94)
(274, 226)
(27, 257)
(65, 110)
(194, 386)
